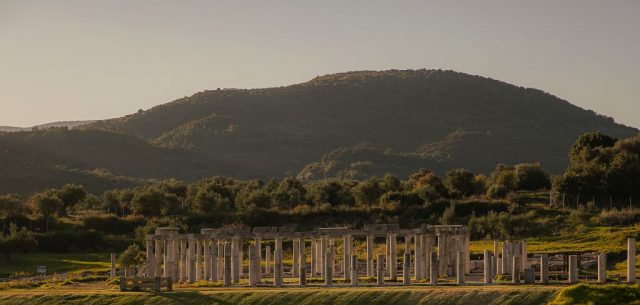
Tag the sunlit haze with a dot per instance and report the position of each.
(80, 60)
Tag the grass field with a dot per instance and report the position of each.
(607, 239)
(55, 262)
(481, 295)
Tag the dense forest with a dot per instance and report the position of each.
(600, 184)
(353, 126)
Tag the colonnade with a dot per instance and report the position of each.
(217, 254)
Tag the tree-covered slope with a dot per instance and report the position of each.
(354, 124)
(437, 119)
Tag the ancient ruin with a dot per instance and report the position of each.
(217, 254)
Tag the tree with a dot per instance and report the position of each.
(367, 192)
(289, 193)
(70, 195)
(18, 240)
(460, 183)
(531, 177)
(148, 201)
(10, 205)
(133, 258)
(427, 185)
(45, 204)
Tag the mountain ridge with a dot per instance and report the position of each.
(352, 125)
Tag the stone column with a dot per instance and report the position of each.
(525, 259)
(204, 260)
(267, 260)
(370, 256)
(406, 269)
(380, 269)
(505, 258)
(174, 262)
(418, 258)
(602, 268)
(487, 266)
(323, 256)
(191, 271)
(113, 265)
(573, 269)
(631, 260)
(496, 254)
(460, 267)
(332, 254)
(258, 241)
(213, 259)
(254, 268)
(434, 268)
(544, 269)
(387, 254)
(277, 270)
(302, 273)
(150, 262)
(198, 260)
(220, 274)
(318, 271)
(392, 261)
(295, 268)
(240, 260)
(428, 242)
(158, 258)
(328, 266)
(515, 270)
(236, 261)
(184, 264)
(227, 264)
(346, 260)
(354, 270)
(314, 258)
(442, 253)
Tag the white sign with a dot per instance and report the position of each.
(42, 269)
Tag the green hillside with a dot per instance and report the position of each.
(355, 125)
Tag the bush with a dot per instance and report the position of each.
(615, 217)
(497, 191)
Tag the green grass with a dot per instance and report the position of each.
(601, 295)
(597, 239)
(55, 262)
(353, 296)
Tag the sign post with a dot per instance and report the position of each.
(42, 270)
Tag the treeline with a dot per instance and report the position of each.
(71, 218)
(224, 195)
(602, 170)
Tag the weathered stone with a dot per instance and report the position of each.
(434, 268)
(302, 273)
(544, 269)
(487, 267)
(227, 265)
(460, 267)
(380, 269)
(406, 269)
(631, 260)
(602, 268)
(529, 276)
(573, 269)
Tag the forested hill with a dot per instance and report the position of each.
(352, 125)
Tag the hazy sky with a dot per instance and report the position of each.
(76, 60)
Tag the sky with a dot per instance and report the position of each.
(80, 60)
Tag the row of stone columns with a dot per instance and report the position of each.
(517, 265)
(192, 257)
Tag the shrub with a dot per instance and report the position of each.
(615, 217)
